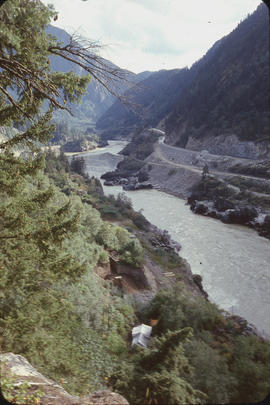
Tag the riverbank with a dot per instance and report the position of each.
(236, 198)
(57, 148)
(218, 199)
(216, 251)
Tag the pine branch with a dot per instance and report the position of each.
(11, 100)
(28, 78)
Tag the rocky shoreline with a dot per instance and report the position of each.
(220, 202)
(216, 199)
(247, 216)
(129, 184)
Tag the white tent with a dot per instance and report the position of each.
(141, 334)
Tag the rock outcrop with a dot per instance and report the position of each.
(231, 145)
(79, 145)
(245, 215)
(21, 371)
(263, 227)
(161, 239)
(130, 184)
(218, 199)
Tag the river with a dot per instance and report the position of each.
(233, 260)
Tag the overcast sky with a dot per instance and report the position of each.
(152, 34)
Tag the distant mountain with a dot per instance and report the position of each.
(221, 103)
(150, 101)
(228, 99)
(97, 99)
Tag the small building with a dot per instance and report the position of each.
(141, 334)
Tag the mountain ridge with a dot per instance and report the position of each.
(223, 97)
(97, 99)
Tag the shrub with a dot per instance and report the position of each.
(141, 222)
(211, 372)
(177, 309)
(172, 171)
(250, 366)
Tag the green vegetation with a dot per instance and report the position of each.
(159, 373)
(151, 100)
(227, 94)
(65, 133)
(141, 145)
(172, 171)
(19, 394)
(56, 230)
(228, 366)
(126, 168)
(212, 189)
(50, 244)
(222, 93)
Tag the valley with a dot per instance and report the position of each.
(224, 255)
(102, 171)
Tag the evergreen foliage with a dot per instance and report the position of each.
(49, 244)
(53, 307)
(229, 89)
(153, 98)
(159, 373)
(227, 366)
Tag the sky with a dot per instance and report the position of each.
(141, 35)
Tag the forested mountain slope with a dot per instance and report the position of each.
(79, 269)
(229, 94)
(152, 100)
(221, 103)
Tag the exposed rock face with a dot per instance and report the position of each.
(137, 186)
(230, 145)
(130, 184)
(22, 371)
(245, 215)
(106, 398)
(264, 228)
(161, 239)
(197, 278)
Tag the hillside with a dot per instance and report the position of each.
(152, 100)
(72, 320)
(96, 99)
(228, 100)
(78, 269)
(220, 104)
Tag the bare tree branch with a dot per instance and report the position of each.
(83, 53)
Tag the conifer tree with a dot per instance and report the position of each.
(27, 228)
(29, 93)
(35, 219)
(159, 373)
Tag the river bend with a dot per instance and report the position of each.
(233, 260)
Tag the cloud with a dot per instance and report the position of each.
(170, 33)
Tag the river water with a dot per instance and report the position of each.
(233, 260)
